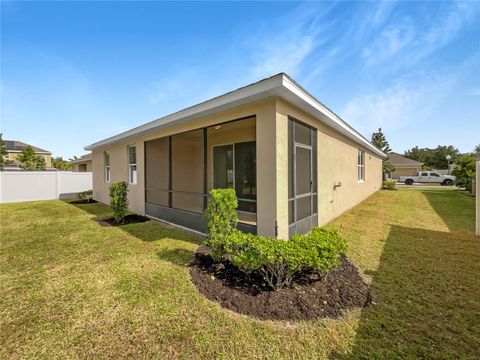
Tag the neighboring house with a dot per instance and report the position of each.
(82, 164)
(403, 166)
(14, 149)
(293, 163)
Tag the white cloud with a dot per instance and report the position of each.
(406, 42)
(390, 42)
(300, 34)
(389, 109)
(407, 101)
(284, 55)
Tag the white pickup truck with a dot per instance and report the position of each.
(428, 177)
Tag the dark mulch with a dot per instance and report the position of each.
(84, 201)
(129, 219)
(307, 298)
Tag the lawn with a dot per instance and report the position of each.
(70, 288)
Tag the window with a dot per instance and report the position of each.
(132, 164)
(361, 165)
(434, 174)
(424, 174)
(106, 159)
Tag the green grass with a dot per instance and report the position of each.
(70, 288)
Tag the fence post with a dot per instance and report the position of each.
(56, 185)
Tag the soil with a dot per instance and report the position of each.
(307, 298)
(129, 219)
(84, 201)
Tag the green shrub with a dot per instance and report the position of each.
(222, 220)
(464, 172)
(85, 195)
(389, 184)
(119, 200)
(278, 261)
(326, 249)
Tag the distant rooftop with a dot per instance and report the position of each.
(17, 146)
(397, 159)
(82, 158)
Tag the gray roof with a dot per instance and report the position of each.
(397, 159)
(86, 157)
(15, 145)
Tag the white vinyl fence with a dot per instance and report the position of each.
(18, 186)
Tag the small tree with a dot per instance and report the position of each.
(380, 141)
(3, 152)
(30, 161)
(119, 200)
(464, 172)
(222, 219)
(476, 151)
(60, 164)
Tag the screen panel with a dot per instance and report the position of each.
(302, 134)
(157, 171)
(188, 171)
(303, 170)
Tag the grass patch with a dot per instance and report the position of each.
(71, 288)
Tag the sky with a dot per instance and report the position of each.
(73, 73)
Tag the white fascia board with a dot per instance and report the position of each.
(314, 107)
(278, 85)
(248, 94)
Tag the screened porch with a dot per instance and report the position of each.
(181, 169)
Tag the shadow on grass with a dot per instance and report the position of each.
(426, 295)
(149, 231)
(456, 210)
(177, 256)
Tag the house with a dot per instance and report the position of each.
(82, 164)
(14, 149)
(403, 166)
(292, 161)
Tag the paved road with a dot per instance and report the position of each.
(425, 186)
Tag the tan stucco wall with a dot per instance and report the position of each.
(264, 111)
(405, 171)
(337, 162)
(14, 155)
(119, 172)
(77, 166)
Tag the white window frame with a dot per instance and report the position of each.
(107, 169)
(361, 166)
(132, 179)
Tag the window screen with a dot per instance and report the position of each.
(188, 171)
(157, 171)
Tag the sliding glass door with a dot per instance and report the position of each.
(234, 166)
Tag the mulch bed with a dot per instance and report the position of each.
(129, 219)
(307, 298)
(85, 201)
